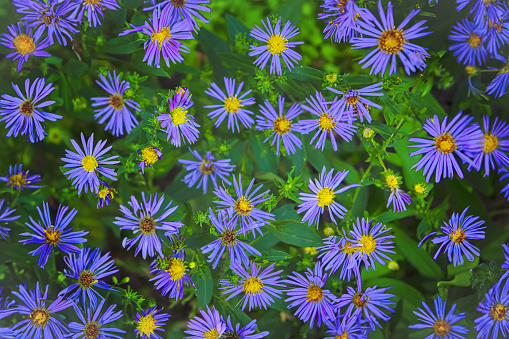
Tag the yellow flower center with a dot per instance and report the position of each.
(39, 317)
(325, 197)
(232, 104)
(277, 44)
(325, 122)
(92, 330)
(24, 44)
(116, 102)
(211, 334)
(331, 78)
(457, 236)
(92, 2)
(27, 108)
(314, 294)
(445, 143)
(149, 156)
(178, 116)
(392, 181)
(441, 328)
(104, 193)
(498, 312)
(357, 301)
(490, 143)
(352, 99)
(51, 235)
(147, 225)
(147, 325)
(161, 36)
(282, 126)
(474, 40)
(243, 206)
(343, 336)
(368, 244)
(207, 167)
(392, 41)
(228, 238)
(368, 133)
(177, 268)
(419, 188)
(89, 163)
(349, 249)
(253, 286)
(86, 279)
(19, 180)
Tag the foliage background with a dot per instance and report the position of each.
(218, 52)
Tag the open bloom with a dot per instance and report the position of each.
(180, 125)
(494, 320)
(24, 44)
(87, 268)
(6, 215)
(93, 10)
(93, 323)
(164, 38)
(281, 124)
(171, 275)
(355, 100)
(206, 168)
(338, 253)
(275, 46)
(143, 222)
(441, 323)
(188, 10)
(149, 321)
(470, 46)
(498, 35)
(104, 194)
(232, 106)
(259, 289)
(148, 156)
(342, 19)
(116, 110)
(23, 114)
(19, 179)
(229, 239)
(398, 199)
(209, 325)
(452, 139)
(391, 42)
(53, 234)
(324, 191)
(315, 303)
(87, 163)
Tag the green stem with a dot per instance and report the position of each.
(364, 176)
(16, 196)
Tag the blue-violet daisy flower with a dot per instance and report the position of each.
(355, 100)
(104, 194)
(148, 156)
(182, 10)
(246, 332)
(494, 321)
(6, 215)
(338, 253)
(210, 325)
(346, 328)
(149, 321)
(504, 175)
(93, 323)
(19, 179)
(470, 48)
(171, 275)
(94, 10)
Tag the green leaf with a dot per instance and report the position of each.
(122, 45)
(410, 176)
(274, 255)
(294, 233)
(389, 216)
(304, 73)
(74, 69)
(204, 288)
(461, 279)
(234, 26)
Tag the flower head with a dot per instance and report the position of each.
(499, 85)
(206, 168)
(171, 275)
(187, 10)
(148, 156)
(339, 253)
(391, 42)
(247, 332)
(441, 323)
(398, 199)
(315, 303)
(116, 110)
(342, 19)
(23, 114)
(87, 163)
(19, 179)
(94, 10)
(281, 125)
(324, 191)
(258, 289)
(498, 34)
(104, 194)
(470, 48)
(92, 323)
(346, 328)
(5, 215)
(87, 269)
(24, 44)
(149, 321)
(144, 224)
(53, 234)
(210, 325)
(494, 320)
(355, 100)
(232, 106)
(452, 139)
(276, 46)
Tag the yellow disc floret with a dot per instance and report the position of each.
(368, 244)
(314, 294)
(147, 325)
(177, 268)
(89, 163)
(161, 36)
(232, 104)
(325, 196)
(253, 286)
(277, 44)
(178, 116)
(445, 143)
(24, 44)
(391, 41)
(490, 143)
(282, 125)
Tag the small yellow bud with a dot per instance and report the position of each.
(192, 264)
(310, 250)
(368, 133)
(393, 266)
(328, 231)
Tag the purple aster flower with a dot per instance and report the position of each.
(487, 10)
(19, 179)
(329, 121)
(94, 11)
(149, 321)
(23, 113)
(324, 192)
(53, 234)
(504, 175)
(498, 34)
(354, 100)
(200, 171)
(391, 42)
(116, 109)
(470, 49)
(258, 289)
(315, 303)
(210, 325)
(39, 318)
(225, 225)
(498, 86)
(441, 323)
(87, 162)
(367, 306)
(142, 221)
(494, 321)
(281, 125)
(88, 268)
(180, 125)
(342, 19)
(187, 10)
(456, 233)
(148, 156)
(338, 253)
(52, 15)
(492, 147)
(452, 139)
(244, 207)
(247, 332)
(398, 199)
(346, 328)
(5, 215)
(164, 38)
(93, 323)
(275, 46)
(7, 333)
(232, 105)
(24, 44)
(104, 194)
(171, 275)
